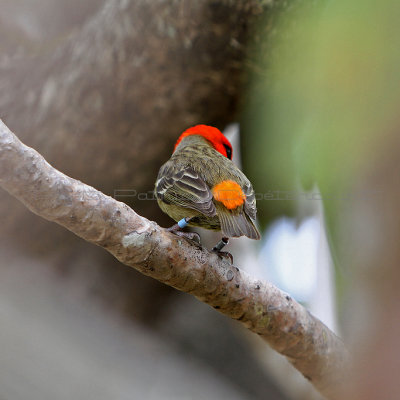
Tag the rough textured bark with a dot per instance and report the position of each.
(287, 326)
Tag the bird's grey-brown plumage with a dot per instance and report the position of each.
(183, 189)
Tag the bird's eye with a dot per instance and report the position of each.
(228, 151)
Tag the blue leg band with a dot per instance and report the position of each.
(182, 223)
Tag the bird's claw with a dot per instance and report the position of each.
(195, 237)
(224, 254)
(219, 246)
(176, 229)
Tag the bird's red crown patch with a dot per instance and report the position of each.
(216, 138)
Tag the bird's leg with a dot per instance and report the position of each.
(176, 229)
(220, 245)
(179, 225)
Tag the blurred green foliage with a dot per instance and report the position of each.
(324, 94)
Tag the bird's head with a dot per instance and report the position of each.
(213, 135)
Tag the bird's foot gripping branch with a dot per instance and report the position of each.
(264, 309)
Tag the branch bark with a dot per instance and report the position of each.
(137, 242)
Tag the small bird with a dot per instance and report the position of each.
(201, 186)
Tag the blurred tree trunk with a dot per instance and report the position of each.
(370, 231)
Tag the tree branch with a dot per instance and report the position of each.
(137, 242)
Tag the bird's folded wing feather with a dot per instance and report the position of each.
(250, 203)
(184, 187)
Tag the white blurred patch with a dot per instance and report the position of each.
(290, 256)
(232, 133)
(297, 260)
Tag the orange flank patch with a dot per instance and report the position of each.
(229, 193)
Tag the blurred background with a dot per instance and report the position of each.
(306, 90)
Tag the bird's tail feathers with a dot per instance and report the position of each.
(238, 225)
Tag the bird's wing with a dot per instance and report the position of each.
(184, 187)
